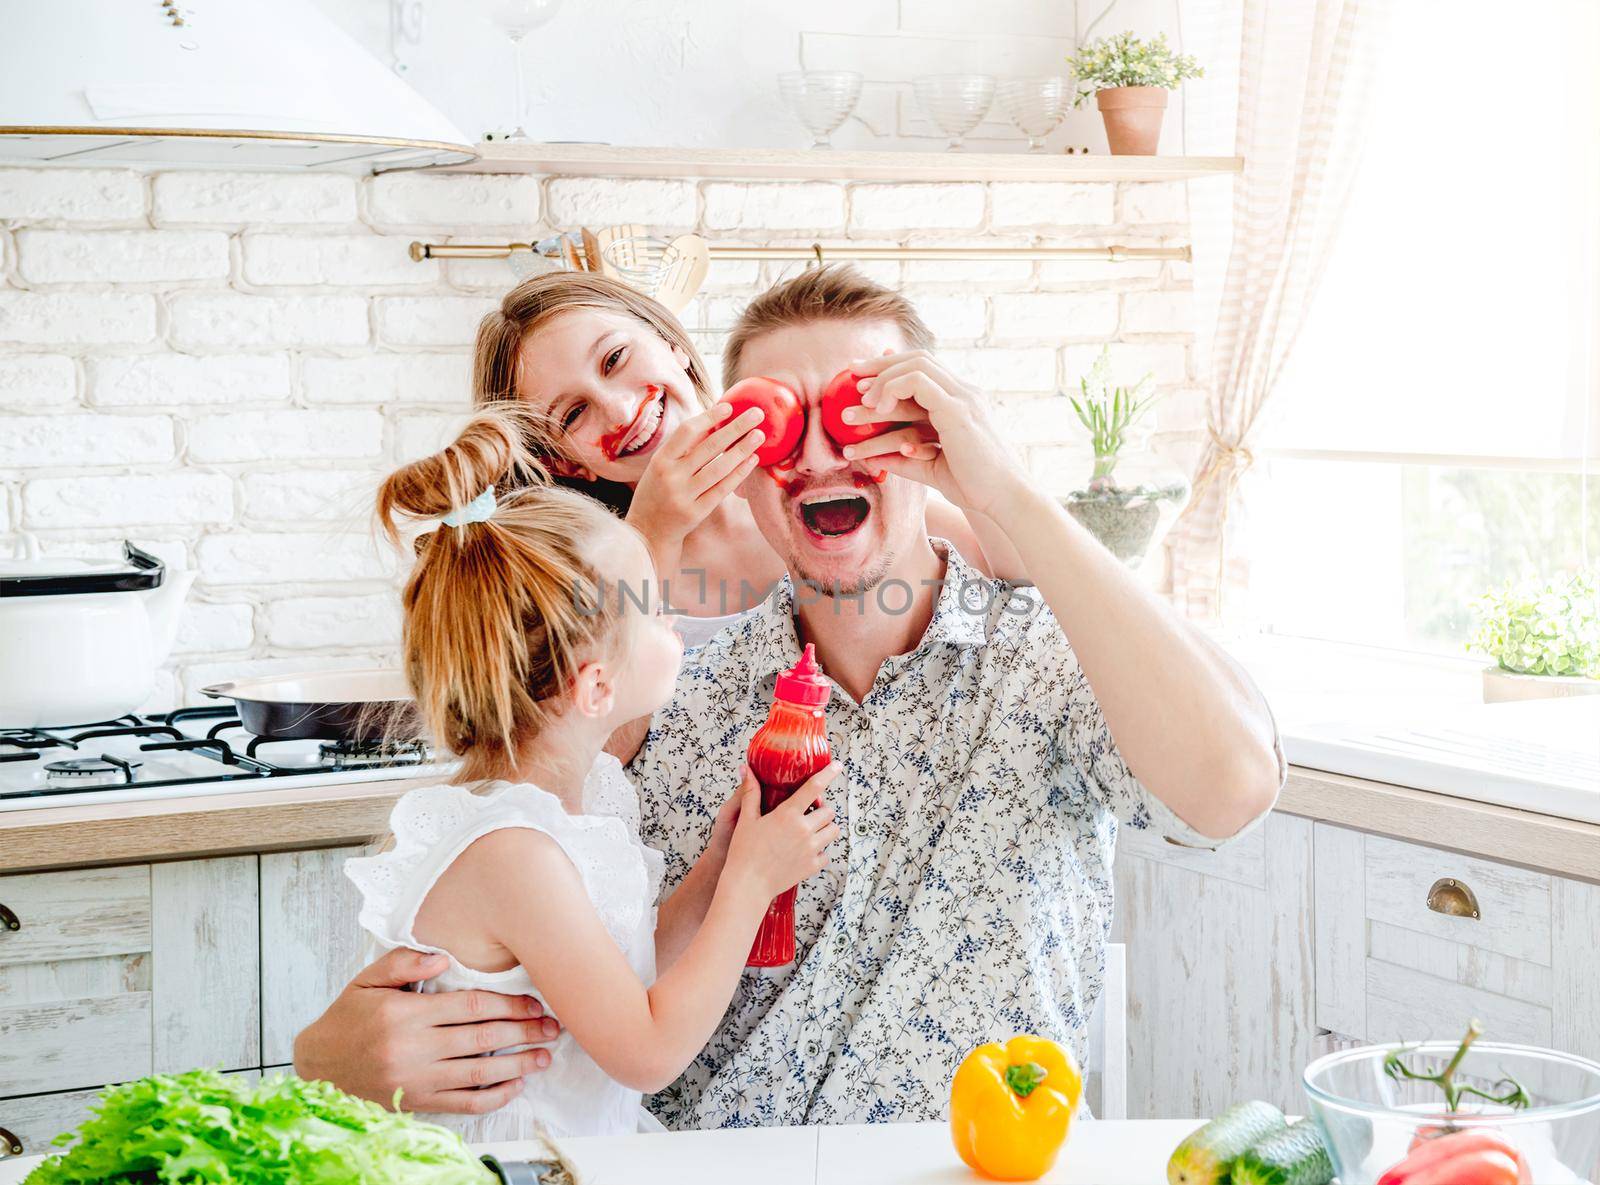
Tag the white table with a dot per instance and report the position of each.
(1131, 1152)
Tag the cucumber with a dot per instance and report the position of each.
(1207, 1155)
(1294, 1156)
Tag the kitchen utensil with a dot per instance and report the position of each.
(591, 250)
(516, 19)
(820, 99)
(1035, 105)
(365, 705)
(671, 272)
(1370, 1121)
(607, 235)
(81, 639)
(956, 103)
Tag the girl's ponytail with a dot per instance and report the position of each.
(502, 609)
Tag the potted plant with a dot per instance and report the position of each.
(1129, 80)
(1132, 495)
(1544, 638)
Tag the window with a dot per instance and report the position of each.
(1436, 426)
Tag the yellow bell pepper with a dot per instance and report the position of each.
(1011, 1106)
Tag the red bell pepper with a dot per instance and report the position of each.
(1471, 1157)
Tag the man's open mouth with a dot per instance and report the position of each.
(834, 514)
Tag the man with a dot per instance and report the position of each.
(991, 740)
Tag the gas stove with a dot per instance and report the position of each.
(192, 751)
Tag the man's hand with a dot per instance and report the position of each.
(949, 440)
(375, 1039)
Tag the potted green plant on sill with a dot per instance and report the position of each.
(1133, 494)
(1129, 80)
(1544, 638)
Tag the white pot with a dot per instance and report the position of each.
(80, 640)
(1502, 686)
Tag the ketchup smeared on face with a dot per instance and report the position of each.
(611, 441)
(862, 480)
(786, 750)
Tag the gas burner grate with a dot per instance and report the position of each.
(339, 754)
(189, 747)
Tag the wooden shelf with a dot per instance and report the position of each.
(594, 160)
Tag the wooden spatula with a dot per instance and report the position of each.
(687, 271)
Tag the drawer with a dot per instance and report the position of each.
(38, 1119)
(82, 914)
(1390, 968)
(1513, 903)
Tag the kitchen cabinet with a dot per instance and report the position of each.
(118, 972)
(114, 973)
(311, 943)
(1517, 948)
(1220, 968)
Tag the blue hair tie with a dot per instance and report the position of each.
(479, 510)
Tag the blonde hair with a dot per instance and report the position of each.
(535, 301)
(499, 615)
(836, 292)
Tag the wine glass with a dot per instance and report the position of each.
(516, 19)
(1035, 105)
(956, 103)
(820, 99)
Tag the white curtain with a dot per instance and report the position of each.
(1306, 70)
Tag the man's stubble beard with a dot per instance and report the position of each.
(863, 584)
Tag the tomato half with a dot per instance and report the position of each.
(840, 394)
(783, 418)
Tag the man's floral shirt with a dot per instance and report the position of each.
(970, 896)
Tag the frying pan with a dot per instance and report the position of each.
(369, 705)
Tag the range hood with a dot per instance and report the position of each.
(234, 84)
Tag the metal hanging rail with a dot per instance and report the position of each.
(838, 251)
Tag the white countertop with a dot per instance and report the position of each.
(1097, 1153)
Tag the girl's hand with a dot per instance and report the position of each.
(965, 460)
(695, 468)
(778, 850)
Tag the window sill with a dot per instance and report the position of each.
(1309, 679)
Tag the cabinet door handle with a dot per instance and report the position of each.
(9, 1144)
(1452, 898)
(8, 919)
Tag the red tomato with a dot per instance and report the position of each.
(784, 418)
(841, 393)
(1473, 1157)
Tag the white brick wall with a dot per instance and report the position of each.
(222, 366)
(121, 256)
(254, 198)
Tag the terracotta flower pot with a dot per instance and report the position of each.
(1502, 686)
(1133, 118)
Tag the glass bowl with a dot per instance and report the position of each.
(1369, 1120)
(956, 103)
(820, 99)
(1036, 106)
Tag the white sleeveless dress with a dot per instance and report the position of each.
(433, 825)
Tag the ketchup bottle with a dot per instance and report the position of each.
(786, 750)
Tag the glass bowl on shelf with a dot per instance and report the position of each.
(1371, 1122)
(956, 103)
(1036, 106)
(820, 99)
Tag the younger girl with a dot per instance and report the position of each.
(526, 645)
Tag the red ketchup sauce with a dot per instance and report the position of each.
(786, 750)
(611, 441)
